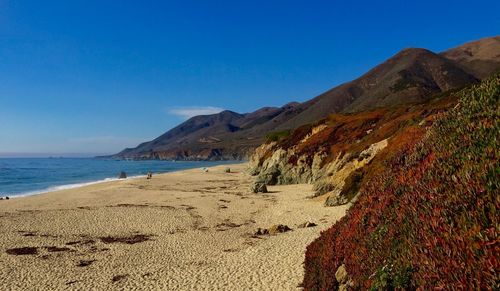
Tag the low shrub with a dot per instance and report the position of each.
(277, 136)
(428, 217)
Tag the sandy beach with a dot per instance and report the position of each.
(186, 230)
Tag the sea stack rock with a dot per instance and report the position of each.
(122, 175)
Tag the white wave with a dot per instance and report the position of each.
(69, 186)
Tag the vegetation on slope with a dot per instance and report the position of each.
(277, 135)
(339, 153)
(352, 133)
(429, 217)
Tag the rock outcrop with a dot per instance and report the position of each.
(333, 154)
(273, 165)
(258, 187)
(307, 224)
(345, 283)
(274, 229)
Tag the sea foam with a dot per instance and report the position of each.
(68, 186)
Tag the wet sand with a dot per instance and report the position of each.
(186, 230)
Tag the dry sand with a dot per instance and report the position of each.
(186, 230)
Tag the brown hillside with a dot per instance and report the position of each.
(411, 76)
(481, 58)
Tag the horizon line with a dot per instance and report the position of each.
(49, 155)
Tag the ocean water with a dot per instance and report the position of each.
(30, 176)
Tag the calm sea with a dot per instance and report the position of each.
(29, 176)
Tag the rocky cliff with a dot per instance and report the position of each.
(423, 183)
(338, 153)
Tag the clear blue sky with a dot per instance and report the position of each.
(97, 76)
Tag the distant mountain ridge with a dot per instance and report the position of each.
(411, 76)
(479, 58)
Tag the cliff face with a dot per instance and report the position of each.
(207, 154)
(423, 183)
(338, 153)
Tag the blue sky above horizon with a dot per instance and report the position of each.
(93, 77)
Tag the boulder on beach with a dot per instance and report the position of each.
(271, 175)
(278, 228)
(261, 231)
(258, 187)
(307, 224)
(122, 175)
(336, 199)
(274, 229)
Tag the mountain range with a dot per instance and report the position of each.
(413, 75)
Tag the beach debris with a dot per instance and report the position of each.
(205, 170)
(258, 187)
(261, 231)
(227, 170)
(147, 274)
(22, 251)
(307, 224)
(150, 175)
(278, 228)
(274, 229)
(226, 224)
(122, 175)
(27, 233)
(81, 242)
(85, 263)
(55, 249)
(119, 277)
(133, 239)
(188, 207)
(84, 207)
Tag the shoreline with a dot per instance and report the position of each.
(69, 187)
(74, 185)
(183, 230)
